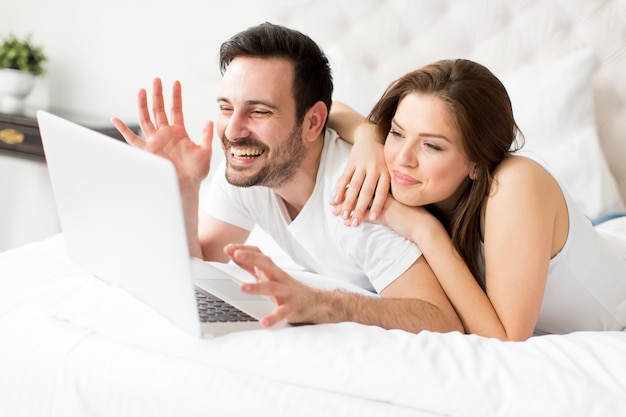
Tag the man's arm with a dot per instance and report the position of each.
(214, 235)
(413, 302)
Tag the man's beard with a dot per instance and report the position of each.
(286, 159)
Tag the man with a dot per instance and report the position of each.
(281, 166)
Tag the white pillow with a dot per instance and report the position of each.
(553, 106)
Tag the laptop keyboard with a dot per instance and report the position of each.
(214, 310)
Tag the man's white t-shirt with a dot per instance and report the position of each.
(370, 256)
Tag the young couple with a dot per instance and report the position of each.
(485, 242)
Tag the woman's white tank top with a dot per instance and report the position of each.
(586, 283)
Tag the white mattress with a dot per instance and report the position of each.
(62, 355)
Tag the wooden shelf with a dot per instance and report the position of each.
(24, 125)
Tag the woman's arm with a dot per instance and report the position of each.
(364, 184)
(468, 299)
(523, 230)
(345, 120)
(526, 224)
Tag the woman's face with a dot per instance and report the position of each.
(424, 154)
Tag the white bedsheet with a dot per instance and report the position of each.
(63, 356)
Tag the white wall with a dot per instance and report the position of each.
(102, 52)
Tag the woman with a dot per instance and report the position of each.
(511, 249)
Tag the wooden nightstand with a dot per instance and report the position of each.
(19, 133)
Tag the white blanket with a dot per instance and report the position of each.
(392, 372)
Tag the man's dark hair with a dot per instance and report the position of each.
(312, 75)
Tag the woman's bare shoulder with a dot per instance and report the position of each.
(518, 177)
(520, 170)
(524, 189)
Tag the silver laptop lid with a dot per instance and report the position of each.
(121, 216)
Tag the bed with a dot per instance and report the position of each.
(72, 346)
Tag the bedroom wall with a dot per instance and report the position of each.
(101, 53)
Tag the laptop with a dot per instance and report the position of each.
(122, 220)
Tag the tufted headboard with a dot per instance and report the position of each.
(371, 42)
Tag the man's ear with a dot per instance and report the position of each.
(314, 121)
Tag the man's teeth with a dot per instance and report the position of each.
(246, 151)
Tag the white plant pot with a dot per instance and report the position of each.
(15, 86)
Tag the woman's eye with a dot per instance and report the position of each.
(395, 134)
(432, 146)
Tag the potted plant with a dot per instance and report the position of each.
(20, 62)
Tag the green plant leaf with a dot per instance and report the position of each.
(22, 54)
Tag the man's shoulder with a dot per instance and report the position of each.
(332, 137)
(333, 162)
(336, 151)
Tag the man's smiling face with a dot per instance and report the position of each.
(262, 141)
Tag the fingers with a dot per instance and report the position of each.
(177, 104)
(279, 314)
(158, 103)
(247, 257)
(207, 135)
(357, 197)
(382, 192)
(364, 195)
(371, 197)
(281, 295)
(251, 258)
(267, 284)
(127, 133)
(145, 122)
(342, 185)
(354, 192)
(150, 127)
(271, 282)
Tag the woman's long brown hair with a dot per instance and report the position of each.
(480, 107)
